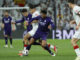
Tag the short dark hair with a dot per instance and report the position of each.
(24, 10)
(44, 11)
(6, 11)
(71, 1)
(32, 6)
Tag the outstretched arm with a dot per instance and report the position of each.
(2, 25)
(52, 24)
(34, 20)
(73, 22)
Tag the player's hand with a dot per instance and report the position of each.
(72, 22)
(13, 30)
(77, 27)
(2, 26)
(49, 27)
(26, 23)
(13, 22)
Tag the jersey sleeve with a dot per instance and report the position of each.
(35, 18)
(20, 21)
(36, 14)
(77, 10)
(51, 23)
(30, 16)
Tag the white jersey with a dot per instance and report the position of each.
(34, 25)
(76, 10)
(35, 14)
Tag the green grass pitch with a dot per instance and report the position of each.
(65, 51)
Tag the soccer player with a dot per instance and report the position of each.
(34, 13)
(25, 19)
(42, 31)
(26, 32)
(6, 25)
(76, 36)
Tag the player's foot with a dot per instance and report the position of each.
(55, 49)
(20, 51)
(11, 46)
(77, 58)
(6, 46)
(20, 54)
(54, 55)
(23, 53)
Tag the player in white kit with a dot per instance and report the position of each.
(76, 36)
(31, 33)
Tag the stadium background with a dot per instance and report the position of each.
(57, 9)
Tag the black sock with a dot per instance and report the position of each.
(36, 43)
(6, 40)
(47, 48)
(11, 41)
(28, 47)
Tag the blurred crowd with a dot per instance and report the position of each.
(63, 12)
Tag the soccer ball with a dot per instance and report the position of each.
(25, 52)
(78, 58)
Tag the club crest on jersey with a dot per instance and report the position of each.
(42, 23)
(6, 21)
(45, 21)
(28, 19)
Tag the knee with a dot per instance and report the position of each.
(31, 41)
(25, 37)
(43, 44)
(5, 36)
(10, 37)
(74, 41)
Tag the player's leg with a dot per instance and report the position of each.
(6, 39)
(74, 41)
(24, 33)
(53, 47)
(44, 45)
(75, 46)
(31, 42)
(10, 39)
(26, 40)
(28, 35)
(26, 48)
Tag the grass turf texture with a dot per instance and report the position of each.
(65, 51)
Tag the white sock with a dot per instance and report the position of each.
(24, 48)
(52, 46)
(77, 52)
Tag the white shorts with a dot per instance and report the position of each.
(77, 34)
(34, 29)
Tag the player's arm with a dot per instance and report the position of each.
(36, 17)
(77, 27)
(52, 25)
(2, 25)
(12, 24)
(77, 11)
(13, 27)
(19, 21)
(72, 22)
(34, 20)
